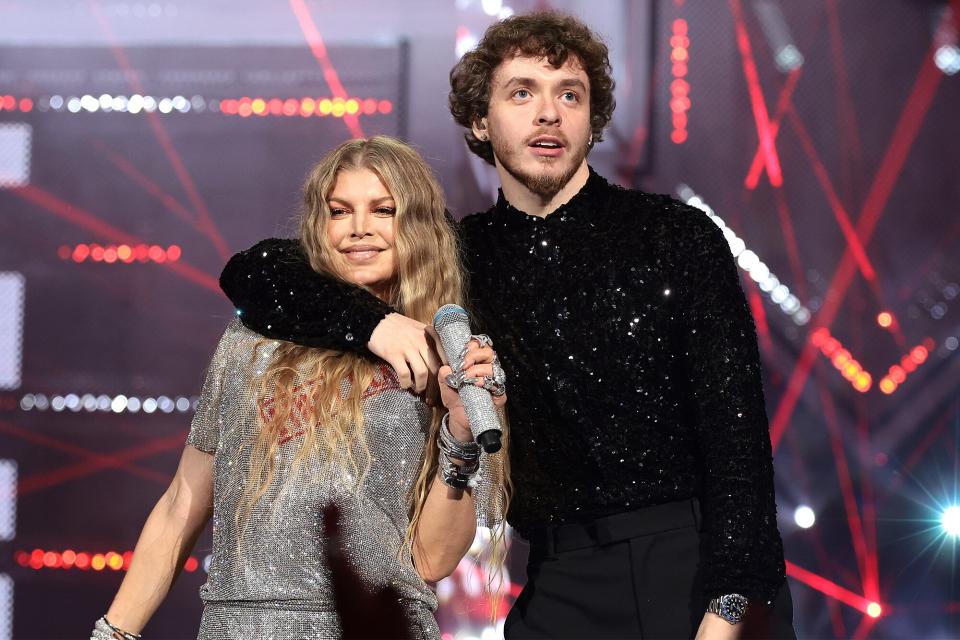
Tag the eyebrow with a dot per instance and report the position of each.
(375, 201)
(566, 82)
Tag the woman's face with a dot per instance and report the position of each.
(361, 229)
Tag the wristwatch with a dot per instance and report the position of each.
(730, 607)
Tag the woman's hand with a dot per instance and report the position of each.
(478, 364)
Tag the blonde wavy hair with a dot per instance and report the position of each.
(429, 275)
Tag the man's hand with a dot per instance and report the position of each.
(713, 627)
(407, 346)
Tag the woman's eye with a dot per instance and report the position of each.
(338, 213)
(386, 211)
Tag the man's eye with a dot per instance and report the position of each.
(570, 96)
(521, 93)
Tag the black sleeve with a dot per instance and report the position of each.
(744, 551)
(279, 295)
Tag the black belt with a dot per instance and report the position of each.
(616, 527)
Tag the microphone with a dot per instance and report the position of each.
(453, 326)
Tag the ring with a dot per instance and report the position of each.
(482, 339)
(495, 388)
(454, 380)
(497, 385)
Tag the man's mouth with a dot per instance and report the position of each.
(547, 146)
(547, 142)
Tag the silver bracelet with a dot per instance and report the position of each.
(456, 475)
(104, 630)
(453, 448)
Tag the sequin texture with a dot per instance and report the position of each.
(275, 582)
(634, 372)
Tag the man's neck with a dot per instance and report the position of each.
(533, 204)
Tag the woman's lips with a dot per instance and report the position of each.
(361, 255)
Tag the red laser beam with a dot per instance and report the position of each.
(160, 133)
(760, 318)
(846, 488)
(49, 479)
(86, 220)
(928, 439)
(66, 447)
(905, 132)
(836, 206)
(170, 203)
(827, 588)
(840, 213)
(863, 629)
(756, 167)
(872, 585)
(760, 116)
(848, 126)
(824, 559)
(319, 50)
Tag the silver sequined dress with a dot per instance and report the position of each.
(275, 583)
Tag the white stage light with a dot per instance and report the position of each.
(804, 517)
(950, 521)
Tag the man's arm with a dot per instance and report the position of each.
(744, 552)
(279, 295)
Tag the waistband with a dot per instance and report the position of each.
(301, 606)
(616, 527)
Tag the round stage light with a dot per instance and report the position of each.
(804, 517)
(119, 404)
(491, 7)
(874, 609)
(950, 521)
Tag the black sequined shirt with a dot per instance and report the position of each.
(634, 376)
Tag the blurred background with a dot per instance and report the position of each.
(142, 143)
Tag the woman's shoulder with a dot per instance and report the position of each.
(239, 345)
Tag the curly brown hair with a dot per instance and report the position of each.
(542, 34)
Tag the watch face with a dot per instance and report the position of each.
(733, 607)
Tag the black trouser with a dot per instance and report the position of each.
(629, 575)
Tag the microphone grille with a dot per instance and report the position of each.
(450, 314)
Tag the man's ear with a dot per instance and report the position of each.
(480, 129)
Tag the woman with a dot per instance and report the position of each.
(281, 430)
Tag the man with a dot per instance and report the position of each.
(639, 448)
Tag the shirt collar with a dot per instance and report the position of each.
(583, 204)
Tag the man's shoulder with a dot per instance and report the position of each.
(657, 212)
(474, 228)
(478, 219)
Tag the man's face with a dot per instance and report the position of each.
(538, 121)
